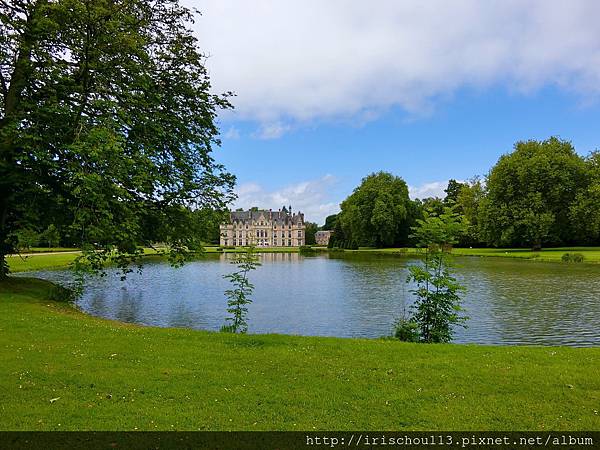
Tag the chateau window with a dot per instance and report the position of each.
(289, 243)
(289, 234)
(234, 242)
(299, 233)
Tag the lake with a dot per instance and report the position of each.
(357, 295)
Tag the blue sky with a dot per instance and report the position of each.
(327, 93)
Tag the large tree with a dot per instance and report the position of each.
(107, 123)
(585, 210)
(453, 191)
(468, 202)
(330, 222)
(378, 213)
(310, 231)
(529, 193)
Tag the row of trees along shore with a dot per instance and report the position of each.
(541, 194)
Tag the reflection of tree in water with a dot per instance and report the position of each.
(129, 308)
(181, 315)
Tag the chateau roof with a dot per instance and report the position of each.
(281, 216)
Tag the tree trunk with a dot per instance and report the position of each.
(19, 79)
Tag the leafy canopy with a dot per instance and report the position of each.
(107, 124)
(378, 213)
(529, 192)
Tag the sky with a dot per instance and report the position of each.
(328, 92)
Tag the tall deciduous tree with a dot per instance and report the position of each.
(378, 213)
(585, 210)
(452, 191)
(310, 231)
(529, 193)
(468, 203)
(330, 222)
(107, 123)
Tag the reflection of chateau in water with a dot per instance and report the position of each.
(264, 228)
(272, 257)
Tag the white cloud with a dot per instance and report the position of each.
(433, 189)
(296, 61)
(271, 131)
(309, 197)
(232, 133)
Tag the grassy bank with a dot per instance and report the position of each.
(590, 254)
(63, 370)
(62, 260)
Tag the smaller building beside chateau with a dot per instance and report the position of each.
(322, 237)
(264, 228)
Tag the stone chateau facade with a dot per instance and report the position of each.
(264, 228)
(322, 237)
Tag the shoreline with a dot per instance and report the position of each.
(61, 259)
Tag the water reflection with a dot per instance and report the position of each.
(508, 301)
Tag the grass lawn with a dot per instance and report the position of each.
(590, 254)
(61, 260)
(64, 370)
(40, 262)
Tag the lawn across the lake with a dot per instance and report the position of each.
(590, 254)
(64, 370)
(62, 258)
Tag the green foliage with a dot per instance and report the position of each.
(25, 238)
(306, 250)
(59, 293)
(453, 191)
(572, 257)
(436, 309)
(434, 205)
(310, 230)
(330, 222)
(52, 236)
(239, 296)
(407, 330)
(468, 203)
(529, 193)
(585, 210)
(378, 213)
(107, 125)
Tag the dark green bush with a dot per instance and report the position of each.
(573, 257)
(406, 330)
(63, 294)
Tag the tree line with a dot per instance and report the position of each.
(543, 193)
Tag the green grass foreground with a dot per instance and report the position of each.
(64, 370)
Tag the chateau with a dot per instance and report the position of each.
(264, 228)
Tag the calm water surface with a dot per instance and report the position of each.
(508, 301)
